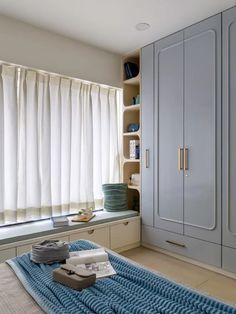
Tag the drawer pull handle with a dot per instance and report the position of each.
(147, 158)
(91, 231)
(175, 243)
(126, 223)
(186, 158)
(180, 159)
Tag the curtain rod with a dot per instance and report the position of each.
(57, 74)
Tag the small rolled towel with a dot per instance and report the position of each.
(49, 251)
(87, 257)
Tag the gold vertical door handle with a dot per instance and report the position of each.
(180, 159)
(186, 167)
(147, 158)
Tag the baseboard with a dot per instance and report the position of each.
(191, 261)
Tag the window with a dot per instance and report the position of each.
(58, 144)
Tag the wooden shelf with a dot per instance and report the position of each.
(132, 107)
(133, 81)
(132, 134)
(131, 160)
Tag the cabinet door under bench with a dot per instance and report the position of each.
(125, 234)
(99, 235)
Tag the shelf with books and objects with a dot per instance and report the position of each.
(131, 128)
(131, 79)
(131, 94)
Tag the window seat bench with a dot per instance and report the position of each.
(118, 231)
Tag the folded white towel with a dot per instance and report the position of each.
(135, 179)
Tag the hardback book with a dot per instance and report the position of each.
(60, 221)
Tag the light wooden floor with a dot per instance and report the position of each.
(209, 282)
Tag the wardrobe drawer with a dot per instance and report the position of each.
(206, 252)
(97, 235)
(125, 233)
(228, 259)
(27, 247)
(7, 254)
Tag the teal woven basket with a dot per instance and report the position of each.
(115, 196)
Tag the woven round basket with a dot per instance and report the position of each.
(115, 196)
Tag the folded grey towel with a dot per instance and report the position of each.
(49, 251)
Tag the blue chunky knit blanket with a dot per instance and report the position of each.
(132, 290)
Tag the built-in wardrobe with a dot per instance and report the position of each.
(189, 142)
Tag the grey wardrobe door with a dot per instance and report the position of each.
(168, 133)
(229, 128)
(202, 130)
(147, 134)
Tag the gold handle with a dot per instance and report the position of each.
(126, 223)
(91, 231)
(147, 158)
(180, 159)
(185, 158)
(175, 243)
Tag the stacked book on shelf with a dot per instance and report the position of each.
(131, 70)
(134, 149)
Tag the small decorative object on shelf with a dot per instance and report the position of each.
(136, 100)
(133, 127)
(84, 215)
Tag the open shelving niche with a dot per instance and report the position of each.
(131, 114)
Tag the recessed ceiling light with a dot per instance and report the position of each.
(142, 26)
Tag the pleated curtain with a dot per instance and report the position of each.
(58, 144)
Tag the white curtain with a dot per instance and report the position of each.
(58, 144)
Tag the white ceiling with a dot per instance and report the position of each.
(110, 24)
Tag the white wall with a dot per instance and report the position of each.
(27, 45)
